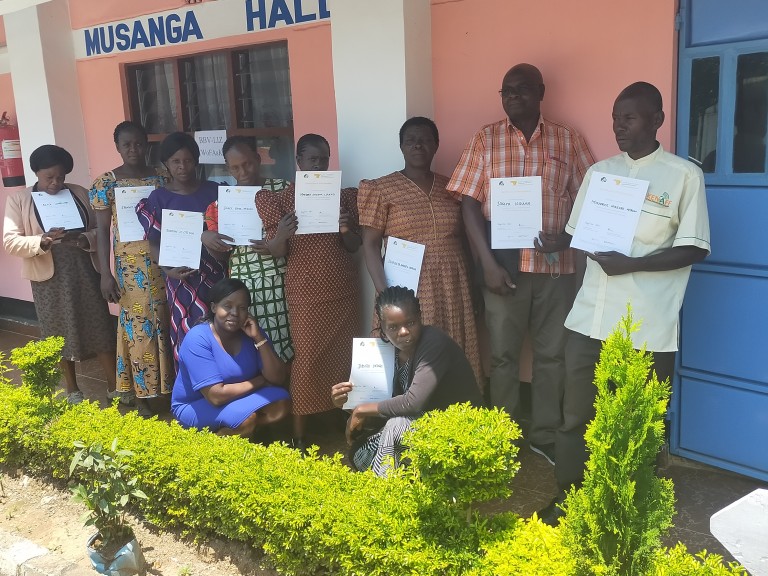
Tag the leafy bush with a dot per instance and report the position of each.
(615, 521)
(314, 516)
(464, 454)
(525, 547)
(106, 489)
(678, 562)
(39, 363)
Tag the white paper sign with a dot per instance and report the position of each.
(402, 263)
(129, 228)
(373, 371)
(318, 202)
(210, 143)
(180, 243)
(610, 213)
(515, 212)
(58, 210)
(238, 217)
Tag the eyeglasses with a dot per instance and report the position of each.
(521, 90)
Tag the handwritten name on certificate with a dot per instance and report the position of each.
(238, 216)
(610, 213)
(180, 243)
(402, 263)
(58, 210)
(515, 212)
(318, 202)
(373, 371)
(129, 229)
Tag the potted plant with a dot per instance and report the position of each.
(106, 489)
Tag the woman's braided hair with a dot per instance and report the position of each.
(395, 296)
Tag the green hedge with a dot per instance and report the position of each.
(314, 516)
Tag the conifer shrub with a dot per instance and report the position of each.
(614, 523)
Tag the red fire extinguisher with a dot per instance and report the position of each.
(11, 164)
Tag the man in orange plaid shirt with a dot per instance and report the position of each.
(532, 293)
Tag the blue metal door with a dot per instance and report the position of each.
(719, 410)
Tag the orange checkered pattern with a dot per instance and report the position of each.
(555, 152)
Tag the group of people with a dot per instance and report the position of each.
(229, 339)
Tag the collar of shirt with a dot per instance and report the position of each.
(538, 132)
(645, 159)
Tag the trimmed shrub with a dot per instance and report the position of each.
(314, 516)
(525, 547)
(678, 562)
(464, 454)
(38, 361)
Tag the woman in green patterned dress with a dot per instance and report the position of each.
(144, 360)
(263, 274)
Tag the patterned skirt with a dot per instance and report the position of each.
(265, 278)
(144, 360)
(70, 304)
(188, 300)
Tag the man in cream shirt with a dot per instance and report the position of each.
(672, 234)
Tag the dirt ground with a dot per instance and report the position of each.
(46, 514)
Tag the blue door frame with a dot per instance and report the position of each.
(719, 408)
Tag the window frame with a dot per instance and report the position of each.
(728, 54)
(131, 95)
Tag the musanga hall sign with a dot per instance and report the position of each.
(205, 21)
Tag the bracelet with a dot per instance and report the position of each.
(260, 344)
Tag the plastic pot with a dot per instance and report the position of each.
(127, 561)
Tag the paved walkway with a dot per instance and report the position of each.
(700, 490)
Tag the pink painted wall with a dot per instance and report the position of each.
(84, 13)
(11, 284)
(309, 53)
(2, 32)
(587, 51)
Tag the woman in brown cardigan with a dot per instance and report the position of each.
(58, 263)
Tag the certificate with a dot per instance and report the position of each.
(128, 226)
(373, 371)
(402, 263)
(610, 213)
(515, 212)
(238, 216)
(58, 210)
(180, 243)
(318, 202)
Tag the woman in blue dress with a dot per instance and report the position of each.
(230, 376)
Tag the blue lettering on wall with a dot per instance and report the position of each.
(129, 36)
(92, 45)
(157, 33)
(280, 11)
(139, 36)
(123, 35)
(257, 15)
(173, 33)
(179, 28)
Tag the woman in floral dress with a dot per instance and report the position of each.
(144, 362)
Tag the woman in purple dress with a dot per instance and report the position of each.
(186, 288)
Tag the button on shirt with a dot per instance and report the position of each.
(555, 152)
(674, 214)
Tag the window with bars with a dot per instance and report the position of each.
(245, 91)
